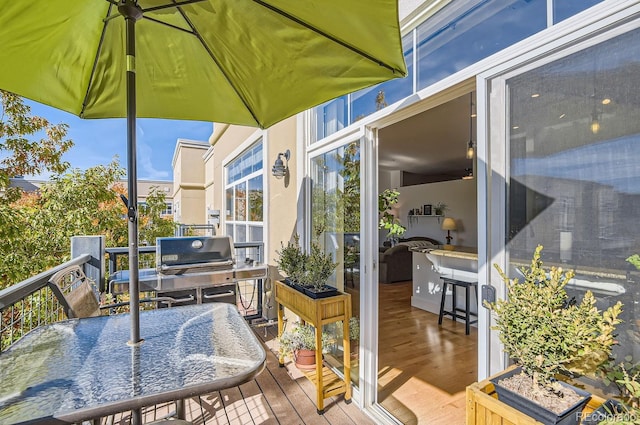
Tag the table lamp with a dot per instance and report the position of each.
(448, 224)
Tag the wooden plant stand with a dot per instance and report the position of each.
(484, 408)
(319, 312)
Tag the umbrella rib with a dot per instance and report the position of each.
(157, 21)
(95, 60)
(174, 4)
(214, 59)
(329, 36)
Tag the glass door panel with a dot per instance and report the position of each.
(335, 227)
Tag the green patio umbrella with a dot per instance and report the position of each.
(249, 62)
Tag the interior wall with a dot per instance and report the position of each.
(458, 195)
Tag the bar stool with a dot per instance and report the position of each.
(467, 285)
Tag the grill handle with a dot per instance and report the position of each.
(171, 300)
(220, 295)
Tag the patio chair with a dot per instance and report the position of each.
(79, 295)
(75, 292)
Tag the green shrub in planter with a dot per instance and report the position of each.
(318, 268)
(292, 260)
(544, 332)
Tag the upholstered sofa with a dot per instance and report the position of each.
(395, 263)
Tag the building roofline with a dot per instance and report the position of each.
(187, 143)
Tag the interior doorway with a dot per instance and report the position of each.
(423, 366)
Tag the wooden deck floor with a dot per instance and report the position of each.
(424, 369)
(277, 396)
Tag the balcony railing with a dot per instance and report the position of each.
(32, 303)
(37, 301)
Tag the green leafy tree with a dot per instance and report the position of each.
(152, 224)
(28, 144)
(76, 203)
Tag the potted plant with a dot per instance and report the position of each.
(291, 261)
(300, 344)
(318, 269)
(625, 375)
(308, 273)
(440, 208)
(547, 334)
(388, 221)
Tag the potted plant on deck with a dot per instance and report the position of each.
(308, 273)
(300, 344)
(291, 261)
(318, 269)
(547, 334)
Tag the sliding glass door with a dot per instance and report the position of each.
(335, 227)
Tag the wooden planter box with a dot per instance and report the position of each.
(484, 408)
(318, 312)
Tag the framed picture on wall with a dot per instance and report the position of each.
(426, 209)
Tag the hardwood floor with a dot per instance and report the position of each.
(423, 368)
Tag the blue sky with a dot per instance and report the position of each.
(96, 142)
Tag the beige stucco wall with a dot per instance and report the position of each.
(188, 178)
(281, 194)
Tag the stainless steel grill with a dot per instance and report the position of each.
(199, 269)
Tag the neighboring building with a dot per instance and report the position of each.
(27, 185)
(188, 179)
(546, 92)
(163, 186)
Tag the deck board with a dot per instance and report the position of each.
(279, 395)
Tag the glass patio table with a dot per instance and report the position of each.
(82, 369)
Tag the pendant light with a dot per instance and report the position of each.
(470, 149)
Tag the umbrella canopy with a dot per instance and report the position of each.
(233, 61)
(249, 62)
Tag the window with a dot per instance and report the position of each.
(335, 215)
(459, 35)
(168, 209)
(244, 195)
(574, 180)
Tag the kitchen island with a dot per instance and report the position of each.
(429, 265)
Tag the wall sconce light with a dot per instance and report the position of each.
(280, 169)
(448, 224)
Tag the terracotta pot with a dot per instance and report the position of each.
(305, 359)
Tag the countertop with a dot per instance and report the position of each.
(465, 252)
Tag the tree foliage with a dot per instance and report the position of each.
(29, 144)
(76, 203)
(35, 228)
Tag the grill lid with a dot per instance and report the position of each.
(199, 252)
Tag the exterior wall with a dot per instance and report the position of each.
(227, 141)
(188, 177)
(281, 194)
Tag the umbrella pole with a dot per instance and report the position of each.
(132, 13)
